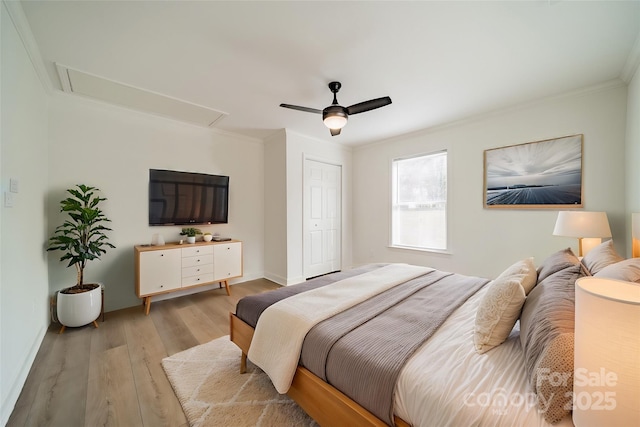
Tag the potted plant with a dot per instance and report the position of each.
(190, 232)
(81, 238)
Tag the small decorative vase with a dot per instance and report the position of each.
(207, 237)
(191, 239)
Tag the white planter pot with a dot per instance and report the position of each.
(191, 239)
(79, 309)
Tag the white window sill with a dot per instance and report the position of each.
(413, 248)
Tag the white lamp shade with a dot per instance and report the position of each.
(582, 224)
(607, 353)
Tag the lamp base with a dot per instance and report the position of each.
(587, 243)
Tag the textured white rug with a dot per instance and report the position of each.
(212, 392)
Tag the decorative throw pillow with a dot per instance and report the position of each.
(554, 378)
(627, 270)
(556, 262)
(547, 314)
(500, 306)
(601, 256)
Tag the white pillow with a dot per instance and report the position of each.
(627, 270)
(500, 306)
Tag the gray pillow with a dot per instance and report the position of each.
(546, 329)
(556, 262)
(601, 256)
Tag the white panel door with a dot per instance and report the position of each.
(322, 218)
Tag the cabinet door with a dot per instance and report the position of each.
(160, 271)
(227, 260)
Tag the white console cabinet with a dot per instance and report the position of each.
(172, 267)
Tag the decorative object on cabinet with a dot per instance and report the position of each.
(191, 233)
(157, 240)
(207, 237)
(170, 268)
(540, 174)
(81, 238)
(587, 227)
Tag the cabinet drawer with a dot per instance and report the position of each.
(196, 280)
(197, 250)
(197, 270)
(193, 261)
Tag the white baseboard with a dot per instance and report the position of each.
(12, 398)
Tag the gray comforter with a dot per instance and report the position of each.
(362, 350)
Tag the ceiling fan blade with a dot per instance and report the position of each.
(368, 105)
(335, 132)
(306, 109)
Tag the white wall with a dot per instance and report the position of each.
(285, 153)
(113, 149)
(632, 155)
(24, 302)
(484, 242)
(275, 207)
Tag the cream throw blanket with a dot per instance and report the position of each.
(278, 337)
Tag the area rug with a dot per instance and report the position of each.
(212, 392)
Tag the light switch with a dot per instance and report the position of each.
(13, 185)
(8, 199)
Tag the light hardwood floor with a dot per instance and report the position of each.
(112, 376)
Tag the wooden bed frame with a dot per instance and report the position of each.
(324, 403)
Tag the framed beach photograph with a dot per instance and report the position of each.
(535, 175)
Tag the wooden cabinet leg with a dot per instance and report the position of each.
(95, 323)
(243, 363)
(147, 305)
(62, 329)
(226, 285)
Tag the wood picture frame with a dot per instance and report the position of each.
(543, 174)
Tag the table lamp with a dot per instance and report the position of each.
(588, 227)
(606, 382)
(635, 235)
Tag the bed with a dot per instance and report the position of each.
(458, 375)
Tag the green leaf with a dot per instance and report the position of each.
(81, 236)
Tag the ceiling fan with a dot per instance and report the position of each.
(335, 116)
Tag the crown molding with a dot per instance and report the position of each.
(632, 64)
(608, 85)
(21, 24)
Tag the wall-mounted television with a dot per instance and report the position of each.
(180, 198)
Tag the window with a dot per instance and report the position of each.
(419, 202)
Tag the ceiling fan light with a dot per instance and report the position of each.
(335, 121)
(334, 117)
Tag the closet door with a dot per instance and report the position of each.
(322, 218)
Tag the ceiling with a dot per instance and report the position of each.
(438, 61)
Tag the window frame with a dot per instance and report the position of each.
(392, 193)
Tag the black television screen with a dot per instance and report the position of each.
(179, 198)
